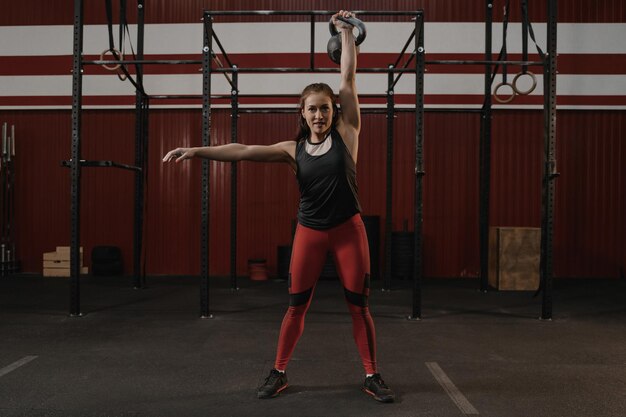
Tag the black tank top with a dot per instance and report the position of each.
(328, 188)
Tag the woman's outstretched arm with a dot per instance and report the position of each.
(232, 152)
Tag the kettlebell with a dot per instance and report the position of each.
(334, 43)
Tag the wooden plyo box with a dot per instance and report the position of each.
(514, 254)
(57, 264)
(62, 272)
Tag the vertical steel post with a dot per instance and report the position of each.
(550, 167)
(77, 98)
(206, 140)
(234, 116)
(312, 54)
(485, 155)
(140, 141)
(389, 186)
(418, 266)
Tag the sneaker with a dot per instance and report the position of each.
(273, 385)
(376, 387)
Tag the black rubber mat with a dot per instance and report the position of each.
(147, 353)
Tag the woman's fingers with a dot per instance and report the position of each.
(183, 155)
(174, 154)
(345, 14)
(169, 155)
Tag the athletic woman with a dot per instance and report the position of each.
(323, 157)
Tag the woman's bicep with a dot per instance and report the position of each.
(349, 99)
(278, 152)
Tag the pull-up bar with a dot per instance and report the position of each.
(312, 70)
(307, 12)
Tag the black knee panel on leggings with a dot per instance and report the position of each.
(355, 298)
(300, 298)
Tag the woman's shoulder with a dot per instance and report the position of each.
(344, 132)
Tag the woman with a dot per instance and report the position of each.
(324, 159)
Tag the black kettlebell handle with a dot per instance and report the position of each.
(351, 21)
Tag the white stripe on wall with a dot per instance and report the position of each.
(583, 38)
(265, 84)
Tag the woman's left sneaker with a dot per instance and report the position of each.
(376, 387)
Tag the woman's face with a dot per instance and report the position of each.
(318, 113)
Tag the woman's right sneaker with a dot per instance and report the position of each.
(273, 385)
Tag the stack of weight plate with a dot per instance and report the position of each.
(106, 260)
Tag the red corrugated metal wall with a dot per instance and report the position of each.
(589, 223)
(39, 12)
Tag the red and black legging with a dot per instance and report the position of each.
(348, 244)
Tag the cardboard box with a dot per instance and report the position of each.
(56, 256)
(57, 264)
(62, 272)
(514, 254)
(66, 249)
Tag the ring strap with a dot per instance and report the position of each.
(109, 12)
(527, 28)
(524, 34)
(505, 29)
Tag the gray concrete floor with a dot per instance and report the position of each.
(147, 352)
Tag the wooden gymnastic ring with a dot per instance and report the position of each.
(121, 57)
(530, 90)
(498, 99)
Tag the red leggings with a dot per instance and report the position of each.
(348, 244)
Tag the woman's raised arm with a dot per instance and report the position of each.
(350, 112)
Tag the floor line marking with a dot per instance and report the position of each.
(453, 392)
(16, 365)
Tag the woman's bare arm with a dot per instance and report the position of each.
(232, 152)
(349, 124)
(350, 112)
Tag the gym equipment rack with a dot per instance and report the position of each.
(393, 71)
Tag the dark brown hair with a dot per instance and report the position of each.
(303, 128)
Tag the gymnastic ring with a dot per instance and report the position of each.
(121, 57)
(530, 90)
(498, 99)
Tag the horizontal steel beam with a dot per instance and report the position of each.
(248, 70)
(101, 164)
(312, 70)
(473, 62)
(307, 12)
(144, 61)
(365, 110)
(283, 70)
(228, 96)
